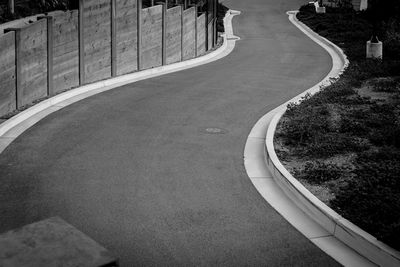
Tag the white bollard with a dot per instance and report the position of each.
(320, 10)
(374, 50)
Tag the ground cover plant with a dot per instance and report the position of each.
(343, 143)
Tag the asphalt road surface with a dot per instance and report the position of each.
(154, 170)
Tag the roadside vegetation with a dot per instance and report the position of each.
(25, 8)
(343, 143)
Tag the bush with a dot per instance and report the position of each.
(339, 122)
(25, 8)
(372, 199)
(388, 85)
(317, 172)
(221, 11)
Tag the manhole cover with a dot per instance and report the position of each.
(213, 130)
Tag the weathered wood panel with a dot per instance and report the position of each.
(97, 39)
(65, 50)
(189, 33)
(7, 73)
(210, 35)
(151, 45)
(173, 35)
(126, 37)
(201, 35)
(32, 74)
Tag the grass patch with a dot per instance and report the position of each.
(343, 143)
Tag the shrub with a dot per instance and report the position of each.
(388, 85)
(372, 199)
(370, 130)
(317, 172)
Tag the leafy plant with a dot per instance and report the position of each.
(317, 172)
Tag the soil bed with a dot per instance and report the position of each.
(343, 143)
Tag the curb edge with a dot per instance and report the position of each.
(342, 229)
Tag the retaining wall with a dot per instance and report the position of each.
(96, 42)
(7, 73)
(151, 44)
(189, 33)
(173, 35)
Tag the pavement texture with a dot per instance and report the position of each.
(153, 171)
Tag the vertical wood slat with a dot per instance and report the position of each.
(8, 98)
(207, 44)
(173, 34)
(126, 36)
(50, 57)
(81, 45)
(215, 22)
(18, 93)
(196, 14)
(139, 34)
(164, 32)
(31, 62)
(182, 9)
(113, 39)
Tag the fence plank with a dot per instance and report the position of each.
(97, 39)
(126, 36)
(173, 35)
(189, 33)
(7, 73)
(151, 43)
(65, 50)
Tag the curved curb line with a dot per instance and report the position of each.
(13, 127)
(338, 237)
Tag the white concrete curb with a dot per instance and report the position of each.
(13, 127)
(336, 227)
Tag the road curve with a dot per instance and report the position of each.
(154, 170)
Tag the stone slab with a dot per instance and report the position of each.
(51, 242)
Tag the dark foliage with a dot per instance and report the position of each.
(340, 121)
(372, 199)
(317, 172)
(25, 8)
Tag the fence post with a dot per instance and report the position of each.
(215, 22)
(139, 34)
(113, 39)
(182, 10)
(81, 44)
(207, 44)
(18, 92)
(50, 40)
(164, 32)
(196, 14)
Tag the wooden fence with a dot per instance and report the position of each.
(100, 40)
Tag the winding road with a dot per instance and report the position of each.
(154, 170)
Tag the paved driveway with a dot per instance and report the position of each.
(145, 171)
